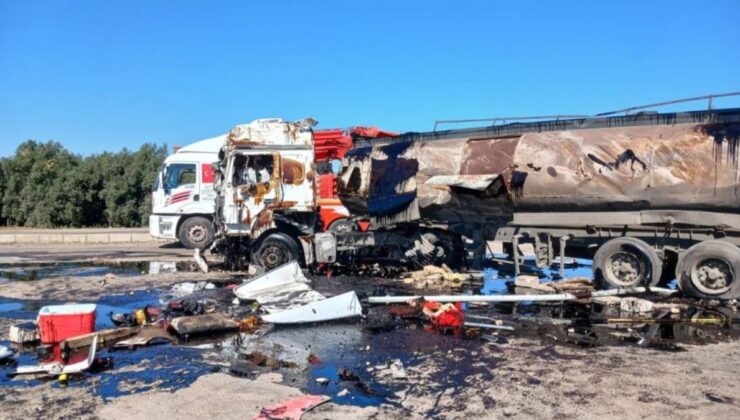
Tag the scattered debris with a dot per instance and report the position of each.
(673, 308)
(57, 368)
(445, 315)
(635, 305)
(433, 277)
(489, 326)
(250, 324)
(189, 287)
(103, 337)
(608, 300)
(578, 283)
(263, 360)
(322, 381)
(291, 409)
(397, 369)
(24, 333)
(146, 337)
(200, 260)
(202, 324)
(338, 307)
(347, 375)
(5, 353)
(282, 288)
(532, 282)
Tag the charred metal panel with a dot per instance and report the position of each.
(375, 181)
(678, 161)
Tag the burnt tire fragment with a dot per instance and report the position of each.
(196, 232)
(709, 270)
(626, 262)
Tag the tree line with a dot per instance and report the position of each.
(44, 185)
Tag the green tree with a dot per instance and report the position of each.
(38, 188)
(43, 185)
(128, 177)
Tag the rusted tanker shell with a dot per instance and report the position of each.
(683, 161)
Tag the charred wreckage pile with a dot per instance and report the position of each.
(649, 197)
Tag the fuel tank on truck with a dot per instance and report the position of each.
(647, 161)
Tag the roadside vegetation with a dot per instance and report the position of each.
(44, 185)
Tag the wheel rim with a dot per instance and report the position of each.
(625, 269)
(197, 233)
(712, 276)
(273, 256)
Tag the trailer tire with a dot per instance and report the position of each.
(451, 246)
(196, 232)
(275, 250)
(709, 270)
(626, 262)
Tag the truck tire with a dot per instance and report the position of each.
(451, 247)
(626, 262)
(709, 270)
(196, 232)
(275, 250)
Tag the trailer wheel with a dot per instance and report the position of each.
(196, 232)
(448, 249)
(275, 250)
(626, 262)
(708, 270)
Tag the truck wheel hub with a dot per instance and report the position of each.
(712, 276)
(273, 256)
(625, 269)
(197, 233)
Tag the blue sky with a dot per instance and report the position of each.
(106, 75)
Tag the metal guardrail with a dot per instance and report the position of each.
(625, 111)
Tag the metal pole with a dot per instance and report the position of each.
(515, 246)
(522, 298)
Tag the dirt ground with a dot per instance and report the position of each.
(530, 380)
(507, 376)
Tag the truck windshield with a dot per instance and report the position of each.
(179, 174)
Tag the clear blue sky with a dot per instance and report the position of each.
(103, 75)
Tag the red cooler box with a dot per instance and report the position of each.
(59, 322)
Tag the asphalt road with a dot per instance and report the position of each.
(90, 252)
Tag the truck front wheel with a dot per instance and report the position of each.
(708, 270)
(196, 232)
(275, 250)
(626, 262)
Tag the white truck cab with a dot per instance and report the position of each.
(183, 196)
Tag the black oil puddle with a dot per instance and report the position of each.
(165, 367)
(19, 309)
(40, 271)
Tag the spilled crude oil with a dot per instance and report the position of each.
(40, 271)
(350, 360)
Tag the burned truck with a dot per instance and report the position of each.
(649, 197)
(276, 202)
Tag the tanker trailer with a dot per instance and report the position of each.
(649, 197)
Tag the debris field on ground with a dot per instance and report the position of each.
(356, 341)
